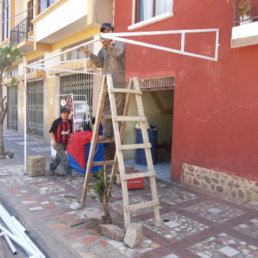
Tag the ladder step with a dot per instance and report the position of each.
(135, 146)
(139, 175)
(105, 140)
(106, 117)
(126, 91)
(131, 118)
(104, 162)
(142, 205)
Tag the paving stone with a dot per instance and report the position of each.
(133, 235)
(224, 245)
(249, 228)
(175, 226)
(113, 232)
(214, 211)
(48, 196)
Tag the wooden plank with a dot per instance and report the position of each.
(130, 91)
(122, 130)
(135, 146)
(142, 205)
(119, 152)
(106, 117)
(130, 119)
(105, 140)
(94, 138)
(148, 155)
(138, 175)
(104, 162)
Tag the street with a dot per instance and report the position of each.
(194, 223)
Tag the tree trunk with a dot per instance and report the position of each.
(2, 151)
(107, 218)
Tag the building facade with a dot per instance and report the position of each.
(40, 29)
(214, 140)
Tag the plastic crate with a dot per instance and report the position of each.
(136, 183)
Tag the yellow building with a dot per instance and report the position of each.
(41, 28)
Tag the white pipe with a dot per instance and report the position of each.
(10, 244)
(152, 33)
(183, 42)
(26, 238)
(134, 42)
(66, 51)
(9, 223)
(62, 70)
(25, 118)
(28, 249)
(18, 230)
(217, 45)
(18, 223)
(123, 34)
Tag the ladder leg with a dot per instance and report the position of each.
(103, 91)
(119, 152)
(122, 130)
(149, 160)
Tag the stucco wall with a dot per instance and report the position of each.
(215, 105)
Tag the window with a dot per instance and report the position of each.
(14, 72)
(44, 4)
(30, 15)
(147, 9)
(5, 24)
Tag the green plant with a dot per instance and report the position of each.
(101, 188)
(8, 56)
(244, 8)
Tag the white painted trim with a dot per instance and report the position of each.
(152, 20)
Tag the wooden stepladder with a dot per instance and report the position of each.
(133, 89)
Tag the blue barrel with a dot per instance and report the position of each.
(140, 153)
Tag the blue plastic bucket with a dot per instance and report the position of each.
(140, 153)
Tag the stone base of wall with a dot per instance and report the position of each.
(221, 182)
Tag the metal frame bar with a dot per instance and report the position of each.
(118, 37)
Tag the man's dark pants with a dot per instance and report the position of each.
(61, 157)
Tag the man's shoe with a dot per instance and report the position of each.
(60, 174)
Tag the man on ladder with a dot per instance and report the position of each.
(111, 59)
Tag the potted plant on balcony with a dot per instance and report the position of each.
(244, 11)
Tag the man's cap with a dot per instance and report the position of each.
(64, 110)
(106, 26)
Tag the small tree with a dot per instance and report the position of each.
(101, 187)
(8, 56)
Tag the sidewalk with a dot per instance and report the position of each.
(194, 223)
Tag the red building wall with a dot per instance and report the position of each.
(216, 103)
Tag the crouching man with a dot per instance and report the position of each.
(61, 135)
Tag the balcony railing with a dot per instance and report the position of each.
(20, 32)
(246, 11)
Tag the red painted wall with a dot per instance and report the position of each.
(216, 103)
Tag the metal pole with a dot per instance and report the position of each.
(25, 117)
